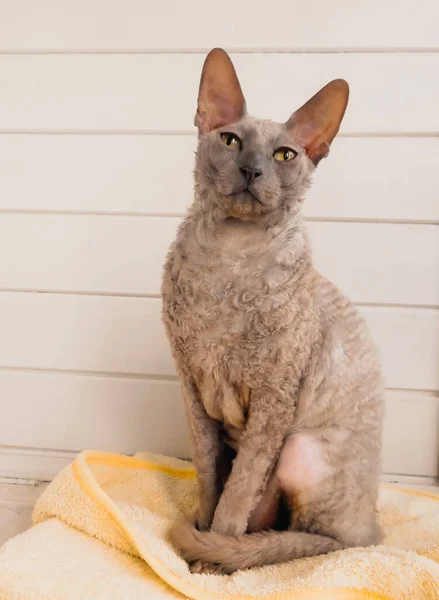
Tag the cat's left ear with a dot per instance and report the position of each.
(220, 99)
(317, 122)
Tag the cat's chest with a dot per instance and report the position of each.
(231, 311)
(219, 313)
(218, 331)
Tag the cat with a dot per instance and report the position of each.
(281, 381)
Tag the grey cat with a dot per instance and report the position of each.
(281, 381)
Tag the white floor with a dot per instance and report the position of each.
(16, 504)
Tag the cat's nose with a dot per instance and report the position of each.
(250, 173)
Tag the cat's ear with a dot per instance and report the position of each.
(317, 122)
(220, 99)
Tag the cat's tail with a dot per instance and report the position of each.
(248, 550)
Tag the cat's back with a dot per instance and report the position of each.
(350, 353)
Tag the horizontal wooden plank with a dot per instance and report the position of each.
(84, 253)
(377, 178)
(111, 334)
(107, 24)
(389, 92)
(409, 343)
(125, 335)
(370, 262)
(411, 482)
(79, 412)
(405, 451)
(115, 414)
(23, 465)
(111, 414)
(379, 263)
(71, 173)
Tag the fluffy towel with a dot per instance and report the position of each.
(101, 533)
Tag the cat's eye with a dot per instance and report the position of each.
(232, 140)
(284, 154)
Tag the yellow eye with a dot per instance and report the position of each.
(230, 139)
(284, 154)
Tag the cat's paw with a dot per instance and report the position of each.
(202, 524)
(202, 567)
(227, 524)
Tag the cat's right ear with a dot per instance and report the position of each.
(317, 122)
(220, 99)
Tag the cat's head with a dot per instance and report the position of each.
(250, 167)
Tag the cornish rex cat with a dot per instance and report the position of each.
(281, 381)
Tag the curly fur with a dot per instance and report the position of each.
(248, 550)
(274, 361)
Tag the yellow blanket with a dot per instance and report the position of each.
(101, 533)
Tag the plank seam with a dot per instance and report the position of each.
(187, 132)
(229, 49)
(158, 215)
(103, 294)
(430, 393)
(84, 373)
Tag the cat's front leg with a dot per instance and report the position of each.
(207, 451)
(270, 418)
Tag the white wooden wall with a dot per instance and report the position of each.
(97, 99)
